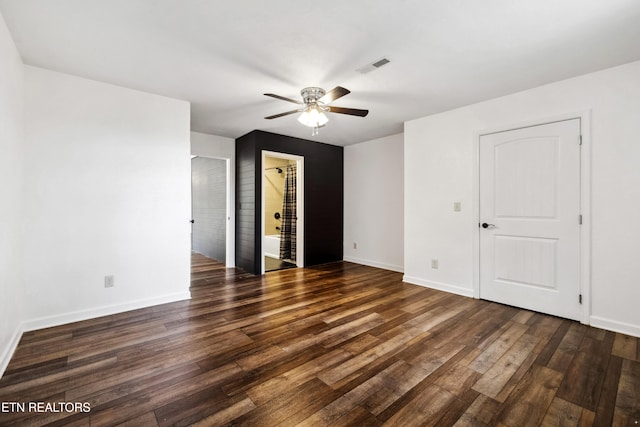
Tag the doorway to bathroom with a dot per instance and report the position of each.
(282, 211)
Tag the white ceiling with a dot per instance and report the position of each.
(223, 55)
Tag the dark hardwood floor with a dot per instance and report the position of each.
(339, 344)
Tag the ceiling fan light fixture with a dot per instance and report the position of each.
(313, 117)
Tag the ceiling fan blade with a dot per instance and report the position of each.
(349, 111)
(273, 95)
(275, 116)
(333, 94)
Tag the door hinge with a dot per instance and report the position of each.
(580, 298)
(580, 140)
(580, 219)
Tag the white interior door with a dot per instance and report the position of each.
(530, 218)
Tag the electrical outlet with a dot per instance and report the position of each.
(355, 245)
(109, 281)
(434, 263)
(457, 206)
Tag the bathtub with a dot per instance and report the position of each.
(272, 246)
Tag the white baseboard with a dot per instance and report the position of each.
(384, 266)
(615, 326)
(7, 354)
(458, 290)
(92, 313)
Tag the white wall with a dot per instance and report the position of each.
(107, 192)
(11, 127)
(220, 147)
(373, 203)
(439, 165)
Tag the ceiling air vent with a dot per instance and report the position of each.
(373, 66)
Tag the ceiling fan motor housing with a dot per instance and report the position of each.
(312, 94)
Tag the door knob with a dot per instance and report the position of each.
(192, 221)
(485, 225)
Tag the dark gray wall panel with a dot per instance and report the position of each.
(245, 204)
(323, 197)
(209, 207)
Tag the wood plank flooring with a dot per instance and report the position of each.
(338, 344)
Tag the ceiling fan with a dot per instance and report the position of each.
(314, 105)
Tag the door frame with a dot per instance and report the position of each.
(229, 226)
(585, 201)
(299, 205)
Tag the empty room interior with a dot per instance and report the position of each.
(362, 213)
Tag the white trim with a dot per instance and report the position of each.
(78, 316)
(454, 289)
(476, 215)
(10, 349)
(299, 205)
(585, 201)
(585, 206)
(376, 264)
(615, 326)
(230, 261)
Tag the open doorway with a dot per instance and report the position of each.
(282, 211)
(210, 207)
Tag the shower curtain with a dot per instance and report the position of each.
(288, 225)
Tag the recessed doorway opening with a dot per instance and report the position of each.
(282, 211)
(210, 209)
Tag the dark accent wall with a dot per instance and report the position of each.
(209, 207)
(323, 197)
